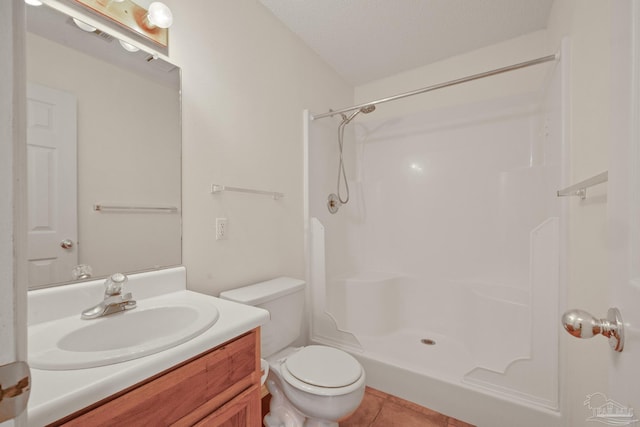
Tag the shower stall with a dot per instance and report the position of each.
(444, 272)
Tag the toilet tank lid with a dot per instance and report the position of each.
(262, 292)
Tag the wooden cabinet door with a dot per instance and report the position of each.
(242, 411)
(184, 395)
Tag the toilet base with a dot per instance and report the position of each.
(283, 414)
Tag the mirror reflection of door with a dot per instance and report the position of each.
(51, 185)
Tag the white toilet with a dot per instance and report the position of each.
(310, 386)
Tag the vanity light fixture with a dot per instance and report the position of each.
(33, 2)
(159, 15)
(128, 46)
(151, 23)
(84, 26)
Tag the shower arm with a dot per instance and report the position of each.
(506, 69)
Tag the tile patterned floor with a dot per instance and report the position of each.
(379, 409)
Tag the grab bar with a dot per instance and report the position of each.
(580, 189)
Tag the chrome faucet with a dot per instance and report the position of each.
(114, 300)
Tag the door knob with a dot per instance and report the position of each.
(581, 324)
(66, 244)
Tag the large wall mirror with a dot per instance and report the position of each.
(103, 156)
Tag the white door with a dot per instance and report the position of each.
(624, 205)
(52, 185)
(13, 335)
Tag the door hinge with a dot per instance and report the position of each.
(15, 386)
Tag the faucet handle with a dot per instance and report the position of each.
(113, 285)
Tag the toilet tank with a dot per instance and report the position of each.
(283, 297)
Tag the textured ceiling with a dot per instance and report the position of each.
(364, 40)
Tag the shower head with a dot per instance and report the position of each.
(366, 109)
(335, 200)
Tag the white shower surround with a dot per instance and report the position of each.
(453, 233)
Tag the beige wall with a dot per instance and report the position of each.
(246, 81)
(510, 52)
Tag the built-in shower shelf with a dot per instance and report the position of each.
(217, 188)
(580, 189)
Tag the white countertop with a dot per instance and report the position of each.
(56, 394)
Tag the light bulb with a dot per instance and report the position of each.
(33, 2)
(84, 27)
(128, 46)
(159, 15)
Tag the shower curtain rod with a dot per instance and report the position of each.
(525, 64)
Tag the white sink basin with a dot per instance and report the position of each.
(154, 325)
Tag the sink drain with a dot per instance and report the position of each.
(427, 341)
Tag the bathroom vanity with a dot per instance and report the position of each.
(221, 386)
(211, 379)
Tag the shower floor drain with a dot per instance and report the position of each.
(427, 341)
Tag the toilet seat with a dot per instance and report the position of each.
(322, 370)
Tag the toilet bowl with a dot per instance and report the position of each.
(310, 386)
(313, 386)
